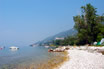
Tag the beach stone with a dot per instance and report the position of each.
(80, 59)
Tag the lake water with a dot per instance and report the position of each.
(24, 57)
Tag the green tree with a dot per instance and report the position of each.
(88, 25)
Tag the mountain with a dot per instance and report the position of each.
(61, 34)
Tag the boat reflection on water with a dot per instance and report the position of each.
(14, 49)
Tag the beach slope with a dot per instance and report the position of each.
(80, 59)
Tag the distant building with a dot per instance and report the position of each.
(57, 38)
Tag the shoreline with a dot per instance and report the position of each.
(84, 58)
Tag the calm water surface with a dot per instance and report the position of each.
(24, 56)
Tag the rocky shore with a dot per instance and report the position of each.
(84, 57)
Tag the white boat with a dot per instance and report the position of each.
(46, 46)
(13, 47)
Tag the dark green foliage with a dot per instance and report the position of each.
(71, 40)
(57, 42)
(89, 25)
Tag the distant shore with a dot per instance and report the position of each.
(84, 57)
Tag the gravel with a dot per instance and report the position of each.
(81, 59)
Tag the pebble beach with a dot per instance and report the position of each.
(84, 59)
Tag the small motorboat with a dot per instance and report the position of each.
(46, 46)
(14, 48)
(2, 47)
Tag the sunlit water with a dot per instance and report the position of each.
(24, 57)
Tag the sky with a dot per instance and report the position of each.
(24, 22)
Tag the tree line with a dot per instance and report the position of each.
(89, 25)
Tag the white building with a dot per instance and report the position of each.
(57, 38)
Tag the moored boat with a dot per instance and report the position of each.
(13, 47)
(46, 46)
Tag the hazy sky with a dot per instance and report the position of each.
(23, 22)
